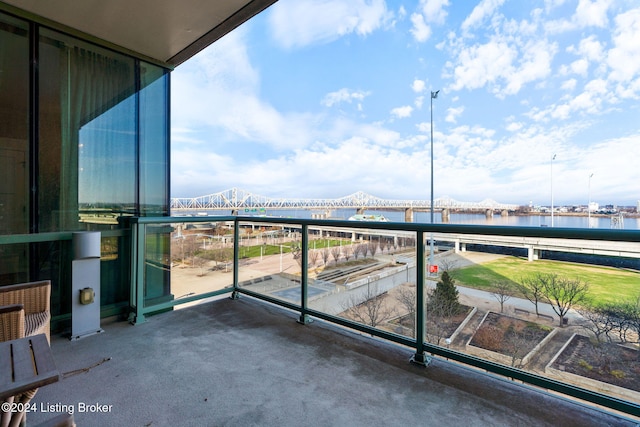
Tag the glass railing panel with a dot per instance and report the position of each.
(557, 308)
(569, 314)
(184, 260)
(270, 257)
(364, 275)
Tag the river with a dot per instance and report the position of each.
(559, 220)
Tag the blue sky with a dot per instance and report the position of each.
(323, 98)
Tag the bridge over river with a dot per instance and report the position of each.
(237, 200)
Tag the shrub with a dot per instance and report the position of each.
(488, 337)
(445, 296)
(583, 364)
(618, 374)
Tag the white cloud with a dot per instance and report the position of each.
(589, 13)
(514, 126)
(591, 48)
(535, 64)
(226, 132)
(569, 85)
(484, 9)
(504, 63)
(589, 101)
(592, 13)
(218, 89)
(453, 113)
(418, 86)
(402, 112)
(580, 66)
(480, 64)
(624, 57)
(430, 12)
(297, 23)
(421, 31)
(343, 95)
(434, 10)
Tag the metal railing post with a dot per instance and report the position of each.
(420, 358)
(304, 251)
(138, 245)
(236, 259)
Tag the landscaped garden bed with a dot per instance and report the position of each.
(604, 367)
(438, 330)
(508, 340)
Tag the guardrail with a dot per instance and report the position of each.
(141, 308)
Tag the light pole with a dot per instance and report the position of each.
(552, 159)
(434, 95)
(589, 205)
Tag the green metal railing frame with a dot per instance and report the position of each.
(139, 310)
(13, 239)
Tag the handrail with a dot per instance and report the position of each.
(139, 310)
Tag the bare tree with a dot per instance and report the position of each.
(447, 264)
(533, 288)
(201, 263)
(372, 247)
(296, 252)
(502, 292)
(516, 344)
(368, 307)
(364, 249)
(313, 258)
(505, 337)
(190, 248)
(347, 252)
(335, 253)
(382, 243)
(324, 254)
(357, 250)
(406, 296)
(597, 322)
(360, 249)
(633, 313)
(618, 316)
(563, 293)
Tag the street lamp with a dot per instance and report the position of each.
(434, 95)
(589, 205)
(552, 159)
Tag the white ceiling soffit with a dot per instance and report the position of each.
(169, 31)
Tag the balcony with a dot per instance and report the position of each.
(278, 321)
(245, 362)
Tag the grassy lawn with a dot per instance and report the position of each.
(257, 250)
(606, 284)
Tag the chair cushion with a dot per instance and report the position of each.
(37, 323)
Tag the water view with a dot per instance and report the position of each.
(534, 220)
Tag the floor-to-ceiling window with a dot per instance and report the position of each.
(88, 135)
(14, 143)
(84, 144)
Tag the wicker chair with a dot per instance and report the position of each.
(11, 328)
(35, 298)
(24, 311)
(11, 322)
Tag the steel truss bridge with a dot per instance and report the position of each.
(236, 199)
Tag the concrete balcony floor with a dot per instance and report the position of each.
(245, 362)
